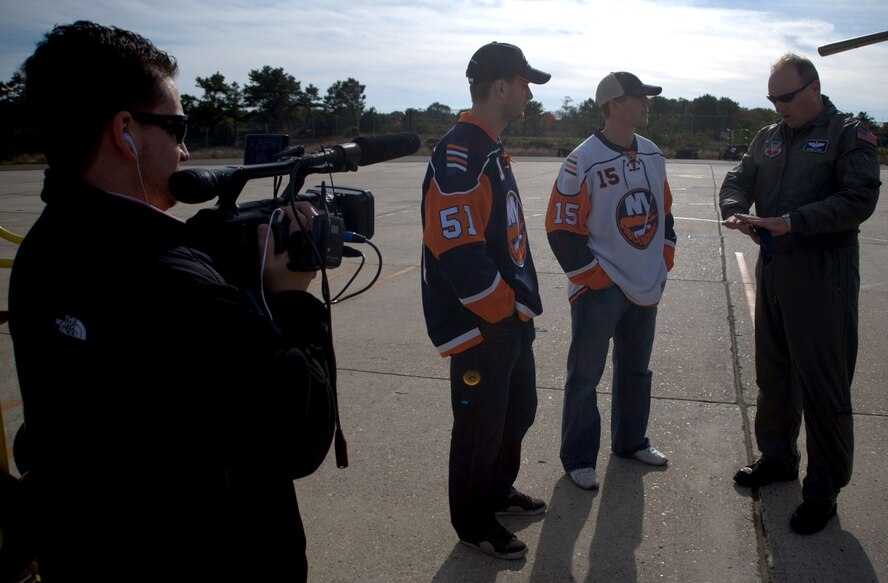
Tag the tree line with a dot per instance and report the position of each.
(274, 101)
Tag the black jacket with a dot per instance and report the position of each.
(165, 419)
(824, 175)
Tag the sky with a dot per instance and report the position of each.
(411, 54)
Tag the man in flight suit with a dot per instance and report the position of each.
(813, 178)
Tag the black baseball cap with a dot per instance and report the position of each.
(502, 61)
(623, 83)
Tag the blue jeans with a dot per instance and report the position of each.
(596, 317)
(494, 402)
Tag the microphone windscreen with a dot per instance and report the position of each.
(386, 147)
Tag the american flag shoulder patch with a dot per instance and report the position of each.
(866, 135)
(457, 158)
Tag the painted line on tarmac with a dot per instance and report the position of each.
(11, 404)
(696, 219)
(747, 285)
(402, 272)
(393, 213)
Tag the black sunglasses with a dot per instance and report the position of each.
(787, 97)
(175, 124)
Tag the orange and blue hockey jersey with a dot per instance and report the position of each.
(476, 260)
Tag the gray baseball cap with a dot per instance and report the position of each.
(623, 83)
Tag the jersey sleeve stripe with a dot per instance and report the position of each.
(570, 165)
(483, 293)
(583, 269)
(493, 304)
(525, 311)
(591, 275)
(457, 157)
(462, 342)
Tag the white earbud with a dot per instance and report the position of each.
(132, 146)
(129, 140)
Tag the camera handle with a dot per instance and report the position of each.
(321, 246)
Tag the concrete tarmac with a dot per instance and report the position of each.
(385, 517)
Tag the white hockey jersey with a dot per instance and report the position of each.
(609, 219)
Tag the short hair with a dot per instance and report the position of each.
(79, 77)
(605, 107)
(803, 66)
(480, 92)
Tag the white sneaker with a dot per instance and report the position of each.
(585, 478)
(650, 455)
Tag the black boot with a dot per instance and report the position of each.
(764, 472)
(812, 515)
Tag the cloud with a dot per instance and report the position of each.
(411, 54)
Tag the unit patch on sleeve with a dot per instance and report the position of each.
(774, 149)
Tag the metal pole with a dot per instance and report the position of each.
(852, 43)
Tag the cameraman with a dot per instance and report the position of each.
(165, 419)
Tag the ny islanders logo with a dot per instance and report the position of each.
(516, 229)
(637, 218)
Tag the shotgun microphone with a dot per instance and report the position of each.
(198, 185)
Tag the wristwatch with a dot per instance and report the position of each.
(788, 222)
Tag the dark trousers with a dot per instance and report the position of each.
(186, 529)
(494, 401)
(805, 353)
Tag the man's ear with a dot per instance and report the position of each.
(122, 137)
(499, 87)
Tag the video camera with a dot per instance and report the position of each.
(227, 231)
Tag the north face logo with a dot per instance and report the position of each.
(71, 326)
